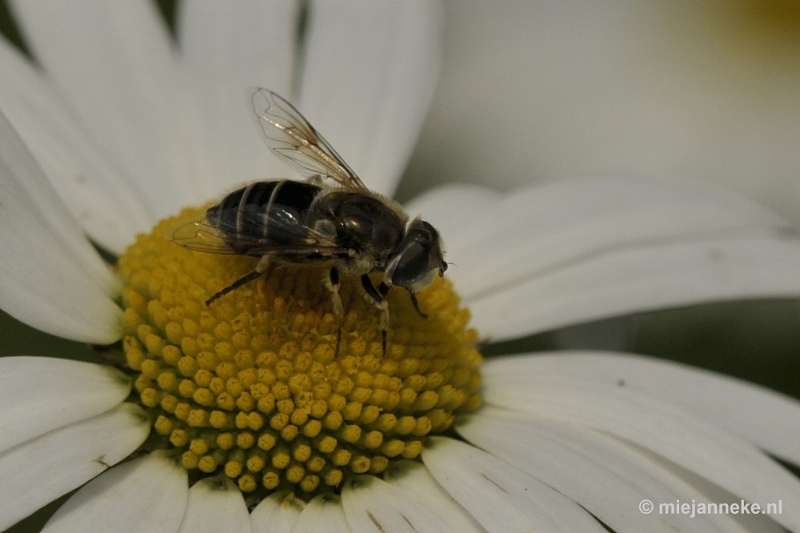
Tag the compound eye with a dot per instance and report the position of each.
(414, 271)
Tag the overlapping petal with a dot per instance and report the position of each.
(323, 514)
(31, 386)
(654, 424)
(372, 120)
(120, 75)
(579, 250)
(50, 277)
(502, 497)
(227, 48)
(737, 406)
(146, 494)
(417, 482)
(371, 504)
(97, 193)
(214, 505)
(277, 513)
(67, 458)
(604, 475)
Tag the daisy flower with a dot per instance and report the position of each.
(707, 91)
(239, 416)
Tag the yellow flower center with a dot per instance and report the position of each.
(249, 386)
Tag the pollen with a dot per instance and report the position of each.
(251, 386)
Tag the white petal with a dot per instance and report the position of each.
(368, 78)
(765, 417)
(371, 504)
(95, 192)
(574, 218)
(501, 497)
(276, 514)
(602, 474)
(39, 471)
(655, 425)
(115, 64)
(25, 184)
(31, 386)
(323, 514)
(757, 265)
(762, 523)
(587, 249)
(228, 47)
(147, 494)
(417, 482)
(50, 276)
(215, 505)
(450, 207)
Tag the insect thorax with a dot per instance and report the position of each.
(364, 224)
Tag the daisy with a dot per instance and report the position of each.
(706, 91)
(239, 416)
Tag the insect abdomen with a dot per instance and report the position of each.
(262, 208)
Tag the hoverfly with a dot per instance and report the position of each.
(332, 218)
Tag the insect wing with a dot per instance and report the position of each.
(275, 233)
(198, 234)
(292, 138)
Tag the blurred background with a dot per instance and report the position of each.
(536, 91)
(692, 89)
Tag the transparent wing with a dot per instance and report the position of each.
(198, 234)
(262, 235)
(292, 138)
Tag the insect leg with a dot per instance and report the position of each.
(247, 278)
(383, 288)
(333, 285)
(379, 302)
(416, 304)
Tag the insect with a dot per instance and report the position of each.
(330, 219)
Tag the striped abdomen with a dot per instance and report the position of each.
(272, 210)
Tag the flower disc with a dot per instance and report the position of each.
(250, 386)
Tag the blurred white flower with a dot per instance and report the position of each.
(546, 90)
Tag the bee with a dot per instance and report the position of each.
(330, 219)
